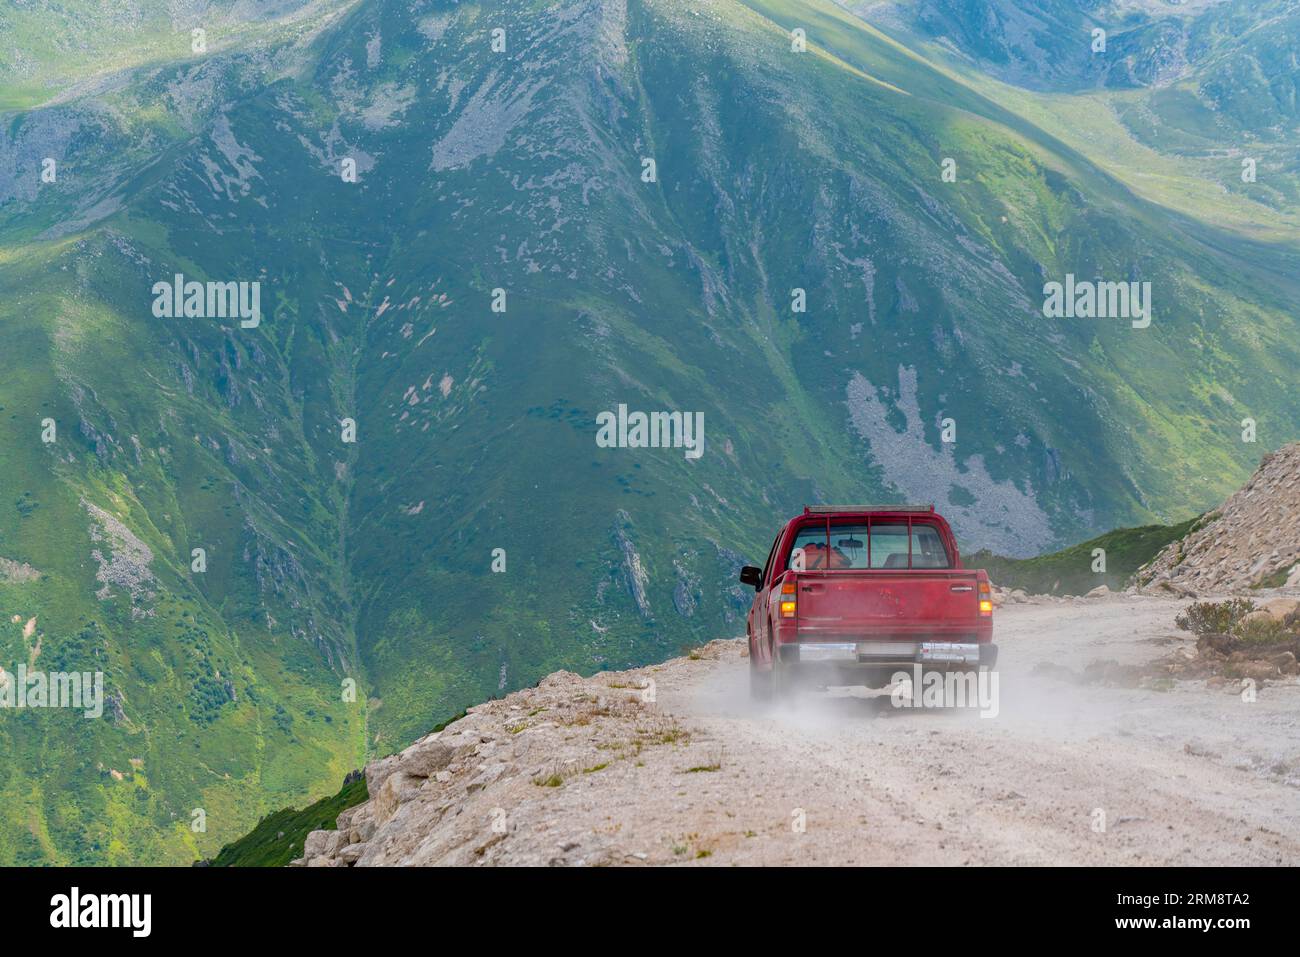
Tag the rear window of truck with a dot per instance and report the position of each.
(855, 545)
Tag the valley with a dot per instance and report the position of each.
(457, 251)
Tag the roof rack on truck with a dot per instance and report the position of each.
(819, 509)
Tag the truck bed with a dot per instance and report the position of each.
(885, 604)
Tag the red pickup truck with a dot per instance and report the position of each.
(851, 593)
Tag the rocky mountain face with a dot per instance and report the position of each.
(1252, 540)
(444, 799)
(294, 540)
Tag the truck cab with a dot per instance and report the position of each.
(851, 593)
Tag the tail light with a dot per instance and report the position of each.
(986, 600)
(788, 600)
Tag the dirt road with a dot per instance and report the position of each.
(582, 771)
(1189, 775)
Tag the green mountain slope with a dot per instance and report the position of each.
(1181, 96)
(278, 837)
(522, 173)
(1070, 570)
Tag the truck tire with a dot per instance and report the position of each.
(760, 682)
(783, 682)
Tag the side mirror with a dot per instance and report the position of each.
(749, 575)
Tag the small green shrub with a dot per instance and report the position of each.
(1214, 618)
(1262, 631)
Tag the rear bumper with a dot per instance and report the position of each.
(868, 654)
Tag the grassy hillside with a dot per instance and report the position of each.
(54, 46)
(1070, 570)
(1181, 96)
(278, 838)
(352, 591)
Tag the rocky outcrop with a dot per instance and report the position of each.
(16, 573)
(127, 565)
(1253, 539)
(455, 796)
(634, 573)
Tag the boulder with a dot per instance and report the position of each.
(360, 823)
(1285, 662)
(399, 787)
(316, 843)
(426, 757)
(352, 853)
(1279, 608)
(335, 842)
(377, 773)
(1101, 591)
(1257, 670)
